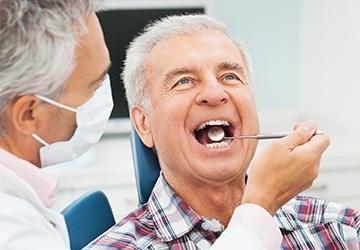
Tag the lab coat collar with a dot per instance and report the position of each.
(43, 184)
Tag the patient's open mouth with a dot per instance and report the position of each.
(211, 133)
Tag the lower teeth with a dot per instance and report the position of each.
(222, 144)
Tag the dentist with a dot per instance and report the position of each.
(55, 100)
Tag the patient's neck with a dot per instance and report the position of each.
(210, 199)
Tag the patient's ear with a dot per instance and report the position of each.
(140, 119)
(23, 114)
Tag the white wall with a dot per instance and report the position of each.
(269, 29)
(329, 79)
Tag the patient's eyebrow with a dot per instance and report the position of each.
(178, 71)
(230, 65)
(237, 67)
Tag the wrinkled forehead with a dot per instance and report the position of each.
(206, 50)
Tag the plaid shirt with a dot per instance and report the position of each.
(166, 222)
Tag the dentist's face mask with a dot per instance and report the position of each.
(91, 120)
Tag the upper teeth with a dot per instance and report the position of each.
(212, 123)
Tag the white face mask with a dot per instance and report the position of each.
(91, 120)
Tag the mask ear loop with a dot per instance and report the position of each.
(39, 139)
(60, 105)
(55, 103)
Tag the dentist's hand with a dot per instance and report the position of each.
(285, 168)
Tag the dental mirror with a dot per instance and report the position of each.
(216, 133)
(262, 136)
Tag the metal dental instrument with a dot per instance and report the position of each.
(262, 136)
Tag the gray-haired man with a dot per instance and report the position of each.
(185, 79)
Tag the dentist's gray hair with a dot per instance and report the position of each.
(37, 44)
(161, 30)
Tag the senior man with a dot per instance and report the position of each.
(55, 100)
(185, 79)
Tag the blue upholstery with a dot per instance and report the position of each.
(88, 217)
(146, 166)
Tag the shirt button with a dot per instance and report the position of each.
(212, 225)
(205, 226)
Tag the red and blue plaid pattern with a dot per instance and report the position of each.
(310, 223)
(166, 222)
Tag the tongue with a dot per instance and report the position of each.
(202, 136)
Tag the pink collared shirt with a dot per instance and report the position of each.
(44, 184)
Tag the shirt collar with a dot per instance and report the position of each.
(44, 184)
(172, 217)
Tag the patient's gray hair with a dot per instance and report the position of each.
(161, 30)
(37, 43)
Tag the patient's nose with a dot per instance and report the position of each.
(212, 93)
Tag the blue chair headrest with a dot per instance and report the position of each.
(87, 218)
(146, 167)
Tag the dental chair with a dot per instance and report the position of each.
(146, 167)
(87, 218)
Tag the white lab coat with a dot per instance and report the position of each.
(25, 223)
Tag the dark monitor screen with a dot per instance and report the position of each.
(120, 26)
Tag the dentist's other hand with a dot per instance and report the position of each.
(285, 168)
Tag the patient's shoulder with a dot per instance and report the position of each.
(136, 229)
(313, 223)
(312, 210)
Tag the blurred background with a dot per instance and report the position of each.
(305, 56)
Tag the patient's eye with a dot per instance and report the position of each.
(232, 78)
(184, 81)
